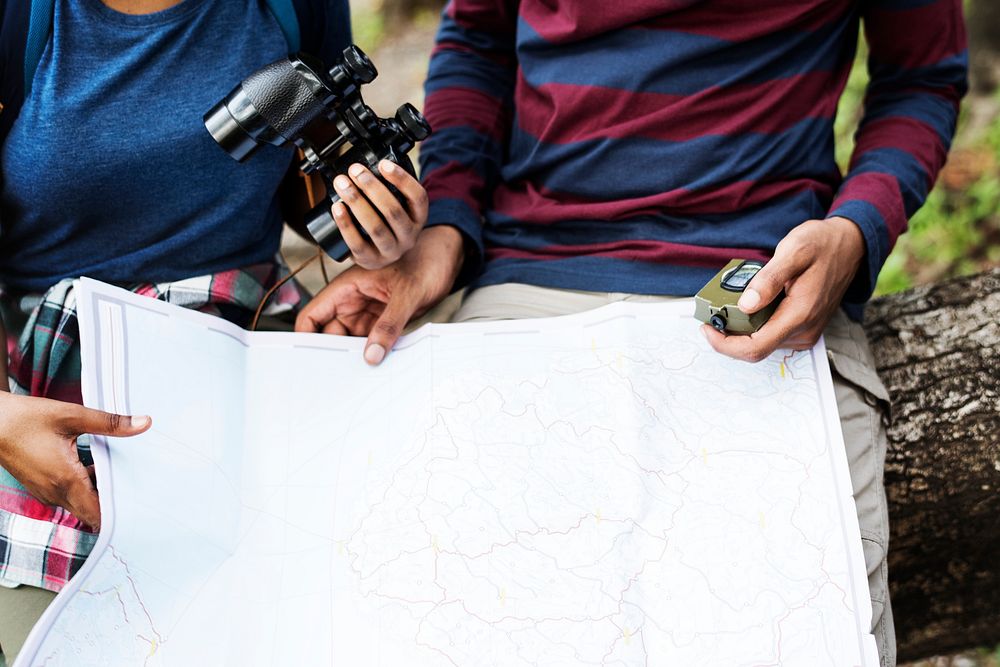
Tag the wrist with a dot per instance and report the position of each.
(851, 239)
(447, 245)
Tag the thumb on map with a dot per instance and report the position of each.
(85, 420)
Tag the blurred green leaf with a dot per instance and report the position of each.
(368, 27)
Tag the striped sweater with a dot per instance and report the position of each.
(637, 146)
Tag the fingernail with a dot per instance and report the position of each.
(374, 354)
(388, 166)
(749, 300)
(339, 210)
(141, 421)
(341, 183)
(356, 170)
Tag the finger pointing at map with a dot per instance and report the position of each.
(38, 447)
(379, 304)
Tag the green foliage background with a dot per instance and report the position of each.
(957, 232)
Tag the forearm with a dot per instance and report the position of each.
(918, 66)
(469, 89)
(447, 244)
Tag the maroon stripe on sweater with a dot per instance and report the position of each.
(658, 252)
(499, 15)
(591, 112)
(467, 107)
(502, 58)
(560, 22)
(882, 192)
(715, 18)
(455, 181)
(530, 203)
(906, 134)
(933, 32)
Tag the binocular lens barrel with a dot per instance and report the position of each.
(274, 104)
(223, 123)
(322, 227)
(277, 104)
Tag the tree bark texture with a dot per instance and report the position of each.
(983, 20)
(938, 352)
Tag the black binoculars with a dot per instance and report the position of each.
(276, 104)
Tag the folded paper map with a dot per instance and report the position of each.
(598, 489)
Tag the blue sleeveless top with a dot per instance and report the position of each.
(108, 171)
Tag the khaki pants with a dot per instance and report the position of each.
(20, 609)
(861, 399)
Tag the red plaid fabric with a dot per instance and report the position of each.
(45, 546)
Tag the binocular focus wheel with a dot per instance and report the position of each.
(718, 323)
(360, 64)
(413, 122)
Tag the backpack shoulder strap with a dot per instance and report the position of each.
(324, 25)
(284, 14)
(39, 29)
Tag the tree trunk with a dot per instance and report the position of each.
(983, 20)
(938, 352)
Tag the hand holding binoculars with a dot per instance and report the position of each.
(279, 102)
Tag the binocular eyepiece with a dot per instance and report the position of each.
(276, 104)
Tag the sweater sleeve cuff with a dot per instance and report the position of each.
(874, 231)
(469, 222)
